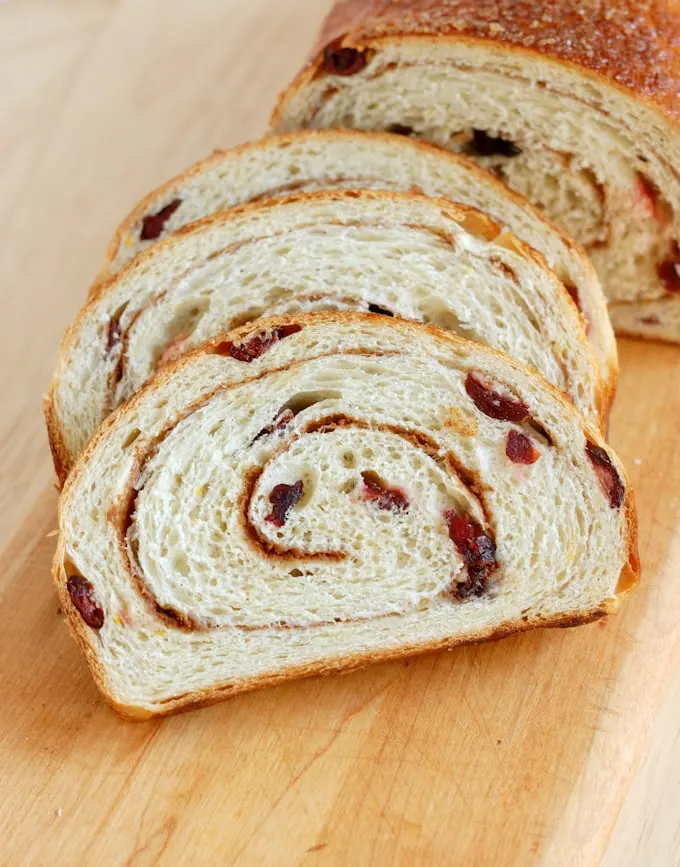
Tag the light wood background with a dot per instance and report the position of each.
(552, 748)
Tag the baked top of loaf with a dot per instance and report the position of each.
(324, 159)
(314, 492)
(391, 253)
(631, 43)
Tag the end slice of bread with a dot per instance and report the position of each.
(329, 159)
(315, 492)
(397, 254)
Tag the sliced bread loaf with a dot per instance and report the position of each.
(574, 105)
(389, 253)
(323, 159)
(316, 492)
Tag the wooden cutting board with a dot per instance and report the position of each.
(512, 753)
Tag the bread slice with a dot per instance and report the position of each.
(315, 492)
(392, 253)
(324, 159)
(573, 105)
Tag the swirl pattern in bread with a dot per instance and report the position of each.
(575, 106)
(391, 253)
(318, 491)
(325, 159)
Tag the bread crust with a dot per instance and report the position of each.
(633, 45)
(86, 637)
(55, 437)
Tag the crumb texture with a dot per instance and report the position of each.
(410, 256)
(244, 520)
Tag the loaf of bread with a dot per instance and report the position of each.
(323, 159)
(574, 105)
(390, 253)
(314, 492)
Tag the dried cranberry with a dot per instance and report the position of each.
(652, 319)
(278, 424)
(376, 491)
(668, 270)
(343, 61)
(257, 345)
(153, 224)
(400, 129)
(484, 145)
(607, 475)
(478, 552)
(493, 404)
(283, 498)
(383, 311)
(520, 449)
(82, 595)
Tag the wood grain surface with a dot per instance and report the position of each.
(555, 748)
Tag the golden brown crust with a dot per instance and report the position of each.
(60, 456)
(86, 637)
(634, 44)
(630, 574)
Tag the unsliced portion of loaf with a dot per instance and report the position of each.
(323, 159)
(390, 253)
(315, 492)
(573, 105)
